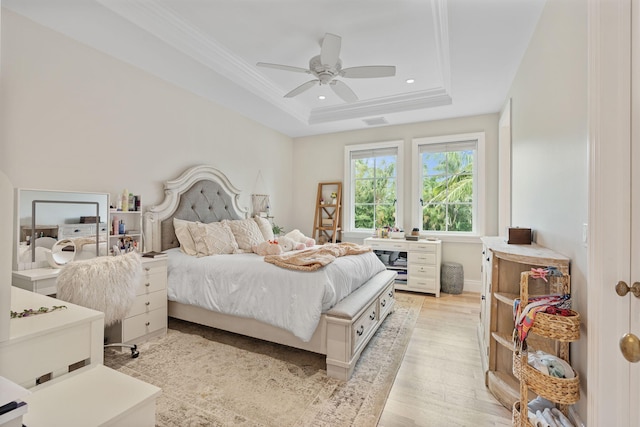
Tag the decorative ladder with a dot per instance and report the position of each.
(327, 222)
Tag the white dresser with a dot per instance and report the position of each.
(418, 261)
(148, 315)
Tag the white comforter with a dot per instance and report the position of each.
(244, 285)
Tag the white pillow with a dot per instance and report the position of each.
(265, 227)
(246, 232)
(187, 245)
(214, 238)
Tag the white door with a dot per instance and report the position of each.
(613, 383)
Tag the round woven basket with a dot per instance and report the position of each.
(516, 416)
(451, 278)
(561, 390)
(561, 328)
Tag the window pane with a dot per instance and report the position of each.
(433, 164)
(434, 189)
(363, 168)
(385, 166)
(364, 191)
(364, 216)
(434, 217)
(460, 218)
(385, 216)
(461, 188)
(386, 190)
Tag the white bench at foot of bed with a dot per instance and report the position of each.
(354, 320)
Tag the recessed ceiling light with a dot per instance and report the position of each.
(410, 81)
(321, 97)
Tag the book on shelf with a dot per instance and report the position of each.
(154, 254)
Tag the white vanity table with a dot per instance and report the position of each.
(39, 280)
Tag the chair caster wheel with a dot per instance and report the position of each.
(134, 352)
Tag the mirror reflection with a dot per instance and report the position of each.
(59, 215)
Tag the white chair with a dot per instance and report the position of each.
(107, 284)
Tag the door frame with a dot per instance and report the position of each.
(609, 248)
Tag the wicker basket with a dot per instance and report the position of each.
(565, 391)
(517, 422)
(554, 326)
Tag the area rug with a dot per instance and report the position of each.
(214, 378)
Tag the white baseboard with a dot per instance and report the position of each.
(473, 286)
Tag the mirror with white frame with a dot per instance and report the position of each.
(78, 216)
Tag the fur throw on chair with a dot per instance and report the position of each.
(106, 284)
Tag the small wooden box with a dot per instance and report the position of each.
(519, 236)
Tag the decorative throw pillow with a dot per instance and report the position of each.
(265, 227)
(214, 238)
(187, 245)
(246, 232)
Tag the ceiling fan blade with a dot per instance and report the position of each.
(283, 67)
(343, 91)
(330, 51)
(301, 88)
(369, 71)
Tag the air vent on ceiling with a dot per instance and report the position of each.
(375, 121)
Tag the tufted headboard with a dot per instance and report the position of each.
(201, 193)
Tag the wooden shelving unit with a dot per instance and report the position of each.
(502, 266)
(327, 222)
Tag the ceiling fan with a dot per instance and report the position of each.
(327, 66)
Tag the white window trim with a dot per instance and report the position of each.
(479, 213)
(347, 220)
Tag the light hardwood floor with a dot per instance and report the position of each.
(440, 381)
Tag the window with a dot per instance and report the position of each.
(449, 184)
(372, 186)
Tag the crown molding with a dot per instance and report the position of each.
(167, 25)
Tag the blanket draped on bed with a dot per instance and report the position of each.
(315, 258)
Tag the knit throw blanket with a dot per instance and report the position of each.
(315, 258)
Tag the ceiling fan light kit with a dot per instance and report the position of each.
(327, 66)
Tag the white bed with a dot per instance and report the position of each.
(264, 301)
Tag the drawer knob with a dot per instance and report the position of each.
(390, 294)
(360, 330)
(147, 324)
(147, 303)
(383, 302)
(372, 315)
(147, 269)
(147, 284)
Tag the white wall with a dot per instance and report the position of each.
(76, 119)
(549, 146)
(321, 158)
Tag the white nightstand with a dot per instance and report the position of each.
(148, 316)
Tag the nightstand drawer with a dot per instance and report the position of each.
(422, 258)
(143, 324)
(149, 302)
(152, 281)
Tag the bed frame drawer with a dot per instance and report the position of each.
(362, 326)
(386, 301)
